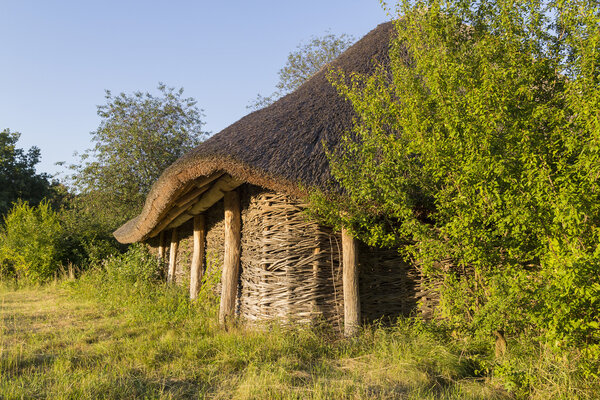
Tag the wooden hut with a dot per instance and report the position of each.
(237, 200)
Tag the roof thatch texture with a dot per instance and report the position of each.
(279, 147)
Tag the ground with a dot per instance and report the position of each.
(57, 345)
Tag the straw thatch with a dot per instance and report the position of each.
(279, 147)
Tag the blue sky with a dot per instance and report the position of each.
(58, 57)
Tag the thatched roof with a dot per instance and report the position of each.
(279, 147)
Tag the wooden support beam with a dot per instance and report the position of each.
(173, 256)
(350, 284)
(315, 281)
(200, 185)
(177, 211)
(225, 184)
(161, 246)
(210, 195)
(231, 263)
(182, 200)
(196, 269)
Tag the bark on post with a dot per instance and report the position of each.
(196, 270)
(161, 245)
(231, 262)
(315, 283)
(173, 256)
(350, 284)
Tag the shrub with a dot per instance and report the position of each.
(88, 235)
(480, 145)
(136, 266)
(30, 243)
(134, 281)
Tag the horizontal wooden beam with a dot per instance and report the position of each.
(208, 199)
(217, 191)
(175, 212)
(201, 185)
(184, 203)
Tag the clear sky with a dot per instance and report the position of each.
(59, 56)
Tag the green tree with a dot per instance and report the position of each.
(139, 136)
(481, 144)
(18, 178)
(304, 62)
(30, 243)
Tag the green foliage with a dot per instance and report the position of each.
(481, 145)
(36, 241)
(304, 62)
(139, 136)
(30, 248)
(135, 267)
(18, 178)
(135, 279)
(87, 236)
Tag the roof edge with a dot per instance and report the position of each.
(179, 175)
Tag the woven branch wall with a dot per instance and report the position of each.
(389, 286)
(290, 265)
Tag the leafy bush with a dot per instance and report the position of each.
(88, 235)
(30, 243)
(135, 280)
(481, 145)
(137, 266)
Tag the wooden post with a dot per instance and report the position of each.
(173, 256)
(315, 282)
(161, 245)
(197, 257)
(350, 284)
(500, 343)
(231, 262)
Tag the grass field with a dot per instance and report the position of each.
(54, 344)
(103, 337)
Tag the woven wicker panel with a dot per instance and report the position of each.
(184, 253)
(388, 285)
(215, 234)
(429, 289)
(290, 265)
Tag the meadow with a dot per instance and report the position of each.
(111, 334)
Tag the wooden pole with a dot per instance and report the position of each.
(350, 284)
(231, 262)
(173, 256)
(315, 282)
(161, 245)
(196, 270)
